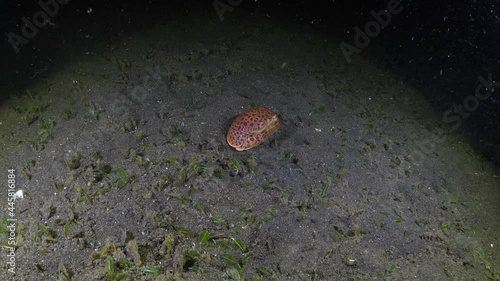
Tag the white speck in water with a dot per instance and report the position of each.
(19, 194)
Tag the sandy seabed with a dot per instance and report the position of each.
(126, 174)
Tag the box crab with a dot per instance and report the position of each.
(252, 128)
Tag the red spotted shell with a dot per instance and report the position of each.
(252, 128)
